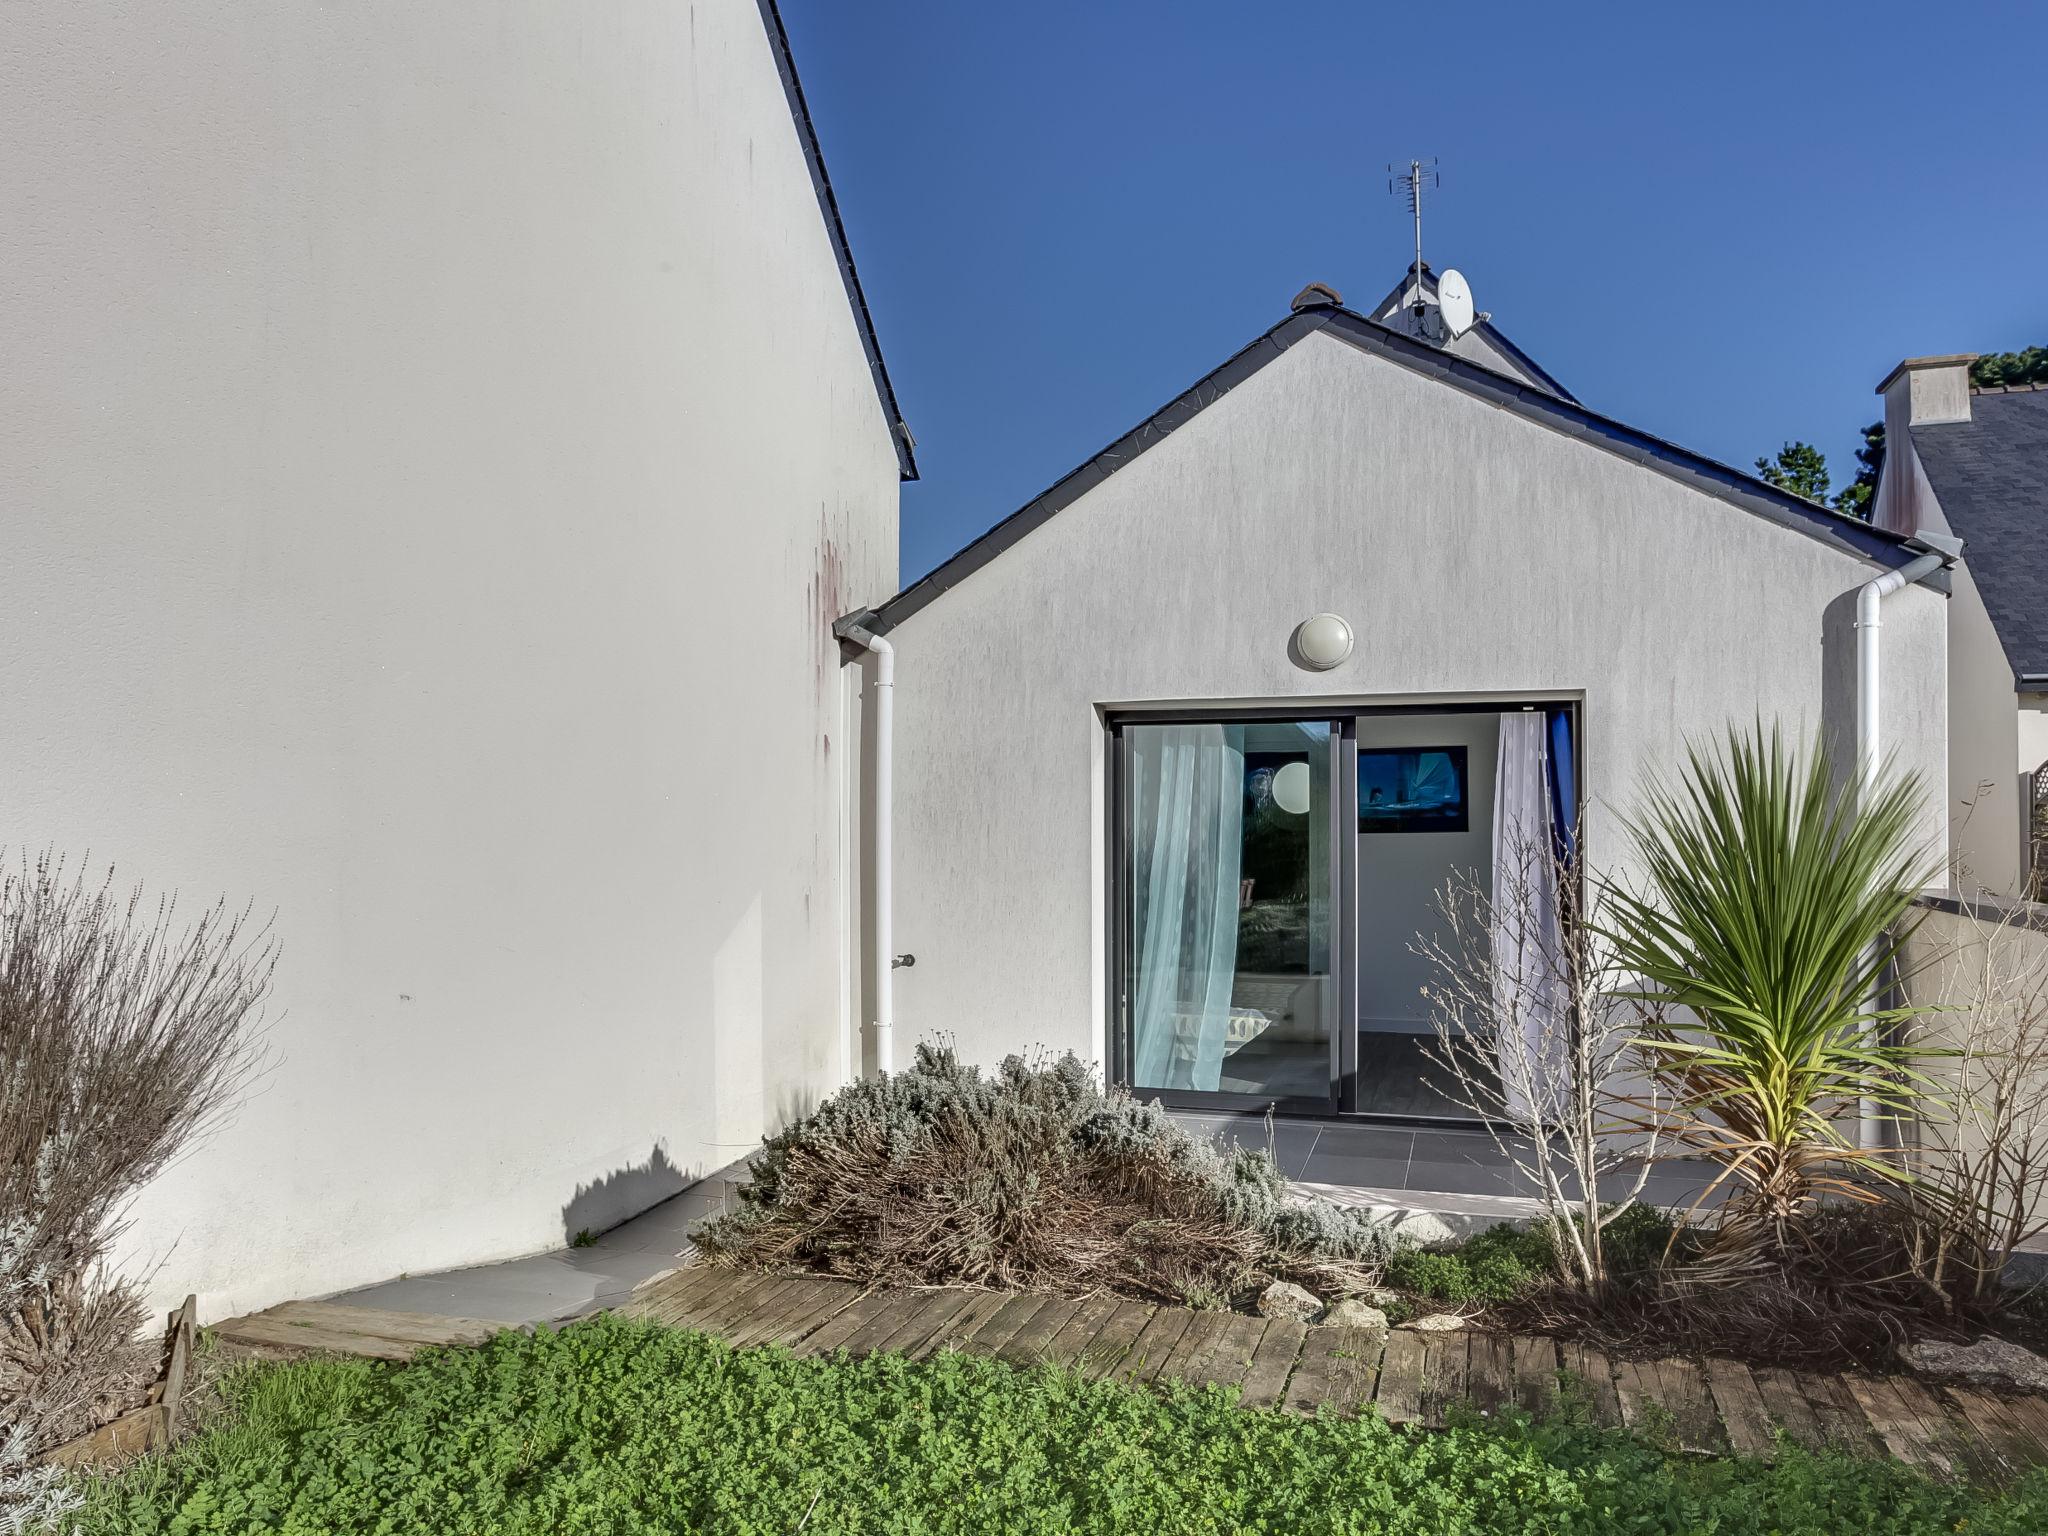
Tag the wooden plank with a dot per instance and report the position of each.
(2012, 1447)
(940, 1308)
(1191, 1346)
(1945, 1431)
(133, 1433)
(1265, 1381)
(1636, 1386)
(681, 1306)
(1491, 1372)
(1897, 1424)
(1071, 1342)
(1398, 1393)
(410, 1327)
(1232, 1357)
(2029, 1414)
(845, 1323)
(184, 1326)
(269, 1332)
(749, 1309)
(1695, 1426)
(1446, 1360)
(1114, 1339)
(1354, 1369)
(761, 1306)
(1193, 1366)
(674, 1289)
(1842, 1420)
(793, 1311)
(1740, 1403)
(1589, 1380)
(1150, 1349)
(998, 1330)
(958, 1328)
(1309, 1387)
(1787, 1406)
(1533, 1367)
(896, 1311)
(1028, 1344)
(715, 1313)
(828, 1298)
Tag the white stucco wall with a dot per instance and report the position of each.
(1992, 737)
(1985, 748)
(434, 444)
(1477, 554)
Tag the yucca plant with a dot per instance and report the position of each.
(1770, 906)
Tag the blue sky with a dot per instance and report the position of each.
(1721, 224)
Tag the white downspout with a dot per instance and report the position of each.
(883, 960)
(1870, 731)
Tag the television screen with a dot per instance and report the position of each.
(1411, 789)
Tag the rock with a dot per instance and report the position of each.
(1999, 1362)
(1353, 1313)
(1438, 1322)
(1283, 1298)
(1374, 1296)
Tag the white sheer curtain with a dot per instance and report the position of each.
(1528, 938)
(1187, 830)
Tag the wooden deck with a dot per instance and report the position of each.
(1410, 1378)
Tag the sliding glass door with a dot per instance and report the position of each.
(1229, 893)
(1277, 882)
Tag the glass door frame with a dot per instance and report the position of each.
(1338, 1003)
(1341, 1012)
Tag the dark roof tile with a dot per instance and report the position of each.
(1991, 475)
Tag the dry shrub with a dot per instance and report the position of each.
(77, 1356)
(1841, 1292)
(1030, 1178)
(125, 1033)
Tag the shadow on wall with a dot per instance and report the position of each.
(598, 1207)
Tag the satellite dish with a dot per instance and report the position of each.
(1454, 302)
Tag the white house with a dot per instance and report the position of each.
(437, 442)
(1182, 747)
(1973, 462)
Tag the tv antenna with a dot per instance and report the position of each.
(1408, 181)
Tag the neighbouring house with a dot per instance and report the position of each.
(1973, 463)
(438, 443)
(1183, 748)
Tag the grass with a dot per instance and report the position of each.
(619, 1428)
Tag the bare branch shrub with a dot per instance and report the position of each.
(1032, 1177)
(1980, 1185)
(1530, 1040)
(125, 1034)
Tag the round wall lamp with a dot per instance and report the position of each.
(1321, 642)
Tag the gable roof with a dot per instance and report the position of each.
(828, 204)
(1485, 331)
(1555, 411)
(1990, 474)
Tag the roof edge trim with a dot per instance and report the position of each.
(835, 227)
(1728, 484)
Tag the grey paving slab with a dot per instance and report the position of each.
(565, 1283)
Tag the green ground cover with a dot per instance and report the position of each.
(616, 1427)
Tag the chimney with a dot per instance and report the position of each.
(1920, 392)
(1925, 390)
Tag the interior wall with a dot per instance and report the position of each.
(1400, 873)
(434, 446)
